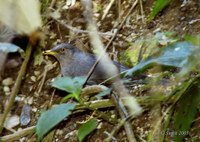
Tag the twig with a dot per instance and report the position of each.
(119, 9)
(17, 135)
(140, 53)
(123, 113)
(107, 9)
(118, 85)
(156, 122)
(47, 68)
(51, 100)
(52, 3)
(32, 138)
(3, 56)
(97, 104)
(43, 79)
(58, 27)
(116, 129)
(105, 103)
(78, 30)
(142, 12)
(16, 86)
(113, 37)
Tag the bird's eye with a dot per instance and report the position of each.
(62, 50)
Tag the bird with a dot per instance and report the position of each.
(74, 62)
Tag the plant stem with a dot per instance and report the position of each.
(16, 86)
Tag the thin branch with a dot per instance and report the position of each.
(78, 30)
(142, 11)
(123, 113)
(52, 3)
(107, 9)
(16, 86)
(119, 10)
(118, 85)
(116, 129)
(113, 37)
(17, 135)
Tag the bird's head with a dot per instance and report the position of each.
(62, 52)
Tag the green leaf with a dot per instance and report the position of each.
(149, 136)
(38, 57)
(166, 123)
(159, 35)
(159, 6)
(67, 97)
(193, 39)
(169, 34)
(52, 117)
(68, 84)
(186, 111)
(44, 5)
(131, 55)
(129, 44)
(99, 7)
(11, 48)
(175, 55)
(86, 129)
(104, 93)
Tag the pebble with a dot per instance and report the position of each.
(112, 111)
(34, 109)
(59, 132)
(100, 125)
(25, 116)
(113, 115)
(8, 81)
(182, 18)
(6, 89)
(36, 73)
(96, 14)
(17, 98)
(109, 15)
(7, 93)
(33, 78)
(36, 94)
(12, 63)
(12, 121)
(70, 134)
(30, 101)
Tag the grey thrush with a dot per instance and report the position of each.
(74, 62)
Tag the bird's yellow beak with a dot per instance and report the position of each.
(49, 52)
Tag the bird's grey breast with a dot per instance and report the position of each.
(80, 65)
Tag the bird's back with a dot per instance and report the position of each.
(81, 65)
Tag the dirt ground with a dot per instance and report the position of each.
(36, 91)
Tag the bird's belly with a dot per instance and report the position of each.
(74, 71)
